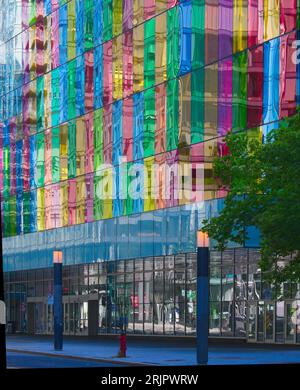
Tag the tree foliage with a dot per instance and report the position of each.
(263, 183)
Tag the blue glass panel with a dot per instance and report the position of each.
(63, 34)
(19, 213)
(98, 22)
(110, 239)
(188, 228)
(6, 134)
(160, 232)
(146, 232)
(134, 236)
(173, 230)
(185, 31)
(79, 86)
(79, 27)
(117, 132)
(98, 77)
(138, 125)
(32, 160)
(267, 128)
(271, 81)
(47, 7)
(122, 238)
(117, 201)
(63, 93)
(254, 237)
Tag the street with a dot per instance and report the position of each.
(25, 360)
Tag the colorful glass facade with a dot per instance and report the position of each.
(158, 81)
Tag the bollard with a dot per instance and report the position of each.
(123, 347)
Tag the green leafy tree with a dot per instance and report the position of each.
(263, 183)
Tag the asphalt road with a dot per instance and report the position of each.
(25, 360)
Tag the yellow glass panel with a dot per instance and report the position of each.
(138, 11)
(48, 207)
(149, 201)
(138, 58)
(161, 48)
(64, 203)
(117, 17)
(160, 5)
(118, 68)
(63, 152)
(240, 25)
(71, 30)
(271, 19)
(80, 199)
(80, 146)
(40, 209)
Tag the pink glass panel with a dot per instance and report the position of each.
(89, 202)
(56, 207)
(160, 125)
(72, 201)
(149, 9)
(287, 92)
(171, 3)
(160, 182)
(26, 160)
(89, 142)
(55, 39)
(127, 64)
(1, 156)
(288, 15)
(255, 86)
(12, 161)
(89, 83)
(25, 56)
(55, 4)
(25, 13)
(171, 184)
(225, 97)
(107, 73)
(127, 128)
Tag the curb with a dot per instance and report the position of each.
(49, 354)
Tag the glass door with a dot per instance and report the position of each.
(269, 322)
(252, 322)
(260, 321)
(290, 325)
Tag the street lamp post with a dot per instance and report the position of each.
(202, 298)
(57, 301)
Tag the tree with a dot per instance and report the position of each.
(263, 183)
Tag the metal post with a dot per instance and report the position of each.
(57, 302)
(202, 304)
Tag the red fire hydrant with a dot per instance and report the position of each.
(123, 347)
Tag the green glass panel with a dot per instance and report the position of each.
(32, 12)
(149, 122)
(98, 203)
(26, 212)
(71, 89)
(6, 171)
(117, 17)
(55, 97)
(55, 154)
(63, 2)
(172, 114)
(40, 159)
(71, 149)
(107, 19)
(173, 49)
(12, 216)
(198, 33)
(98, 140)
(239, 91)
(197, 106)
(40, 103)
(88, 24)
(149, 53)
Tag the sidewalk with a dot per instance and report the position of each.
(149, 352)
